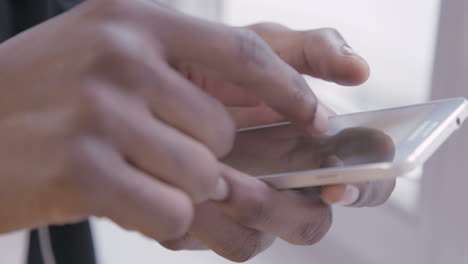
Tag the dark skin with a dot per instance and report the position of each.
(318, 53)
(130, 118)
(282, 149)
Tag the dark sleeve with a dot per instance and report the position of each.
(19, 15)
(66, 244)
(5, 20)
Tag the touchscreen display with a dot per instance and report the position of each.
(353, 139)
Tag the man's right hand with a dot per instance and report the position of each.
(96, 120)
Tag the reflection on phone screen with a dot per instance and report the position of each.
(354, 139)
(285, 148)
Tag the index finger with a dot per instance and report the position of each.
(240, 56)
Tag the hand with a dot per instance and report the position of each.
(320, 53)
(259, 213)
(324, 54)
(95, 119)
(247, 223)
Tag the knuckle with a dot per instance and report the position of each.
(326, 40)
(325, 34)
(250, 244)
(252, 49)
(255, 210)
(111, 48)
(117, 45)
(312, 232)
(323, 40)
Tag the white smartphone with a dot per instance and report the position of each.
(416, 131)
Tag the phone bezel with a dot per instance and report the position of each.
(450, 118)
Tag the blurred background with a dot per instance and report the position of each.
(417, 51)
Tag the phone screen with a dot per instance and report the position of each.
(353, 139)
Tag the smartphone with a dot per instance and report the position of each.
(408, 134)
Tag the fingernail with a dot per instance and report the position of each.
(221, 191)
(347, 50)
(350, 196)
(320, 124)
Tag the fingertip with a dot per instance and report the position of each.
(221, 190)
(330, 194)
(340, 194)
(355, 70)
(319, 125)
